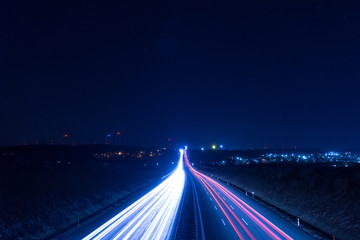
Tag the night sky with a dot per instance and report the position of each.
(201, 72)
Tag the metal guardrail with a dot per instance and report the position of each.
(301, 224)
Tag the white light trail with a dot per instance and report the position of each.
(150, 217)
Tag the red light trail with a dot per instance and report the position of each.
(264, 224)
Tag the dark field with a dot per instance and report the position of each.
(324, 196)
(38, 200)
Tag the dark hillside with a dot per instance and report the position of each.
(41, 197)
(324, 196)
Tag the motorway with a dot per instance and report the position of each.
(227, 214)
(206, 210)
(152, 216)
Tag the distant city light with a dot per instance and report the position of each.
(221, 146)
(213, 146)
(109, 135)
(202, 149)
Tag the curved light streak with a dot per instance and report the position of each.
(264, 224)
(152, 216)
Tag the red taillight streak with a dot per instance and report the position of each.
(257, 221)
(259, 215)
(227, 192)
(241, 203)
(232, 224)
(242, 225)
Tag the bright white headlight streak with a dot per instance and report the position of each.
(150, 217)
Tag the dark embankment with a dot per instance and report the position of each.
(324, 196)
(44, 189)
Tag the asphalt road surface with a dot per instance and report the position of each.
(218, 212)
(226, 214)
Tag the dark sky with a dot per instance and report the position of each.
(201, 72)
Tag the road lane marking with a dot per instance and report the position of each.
(232, 207)
(224, 198)
(215, 207)
(228, 218)
(210, 199)
(244, 221)
(223, 222)
(238, 202)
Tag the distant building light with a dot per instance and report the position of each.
(202, 149)
(213, 146)
(185, 147)
(221, 146)
(109, 135)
